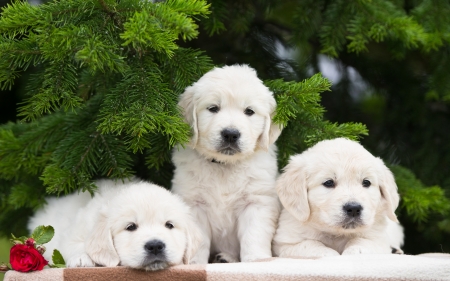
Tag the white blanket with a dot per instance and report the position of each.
(362, 267)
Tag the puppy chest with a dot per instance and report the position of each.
(335, 242)
(220, 204)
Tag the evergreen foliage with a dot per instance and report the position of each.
(417, 199)
(102, 79)
(302, 116)
(106, 79)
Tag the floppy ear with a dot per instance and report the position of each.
(99, 244)
(389, 190)
(193, 236)
(189, 112)
(292, 189)
(271, 132)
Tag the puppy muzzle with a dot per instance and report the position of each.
(352, 215)
(229, 144)
(155, 258)
(154, 265)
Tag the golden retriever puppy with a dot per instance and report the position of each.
(338, 199)
(228, 170)
(134, 224)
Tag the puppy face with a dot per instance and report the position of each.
(343, 196)
(144, 227)
(338, 186)
(230, 112)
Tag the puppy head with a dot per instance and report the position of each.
(144, 227)
(230, 112)
(337, 185)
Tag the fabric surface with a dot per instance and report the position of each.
(45, 274)
(431, 266)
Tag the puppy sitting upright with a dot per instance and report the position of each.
(338, 199)
(227, 172)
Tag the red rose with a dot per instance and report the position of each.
(26, 258)
(30, 242)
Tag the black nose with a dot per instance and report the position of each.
(230, 135)
(353, 209)
(155, 247)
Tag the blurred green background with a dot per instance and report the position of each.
(5, 245)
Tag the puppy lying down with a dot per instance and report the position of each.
(338, 199)
(134, 224)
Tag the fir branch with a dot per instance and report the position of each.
(25, 195)
(334, 29)
(64, 181)
(307, 18)
(58, 90)
(159, 25)
(300, 112)
(87, 151)
(74, 167)
(327, 130)
(10, 149)
(141, 104)
(418, 200)
(105, 7)
(99, 55)
(140, 31)
(24, 152)
(18, 18)
(20, 54)
(293, 98)
(184, 68)
(304, 132)
(154, 158)
(196, 7)
(214, 24)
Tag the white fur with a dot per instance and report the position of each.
(91, 231)
(235, 201)
(313, 219)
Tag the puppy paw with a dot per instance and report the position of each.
(251, 258)
(397, 251)
(198, 261)
(308, 249)
(322, 252)
(223, 258)
(357, 250)
(82, 260)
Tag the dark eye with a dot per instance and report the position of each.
(329, 183)
(249, 112)
(366, 183)
(131, 227)
(213, 109)
(169, 225)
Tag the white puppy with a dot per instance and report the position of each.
(338, 199)
(134, 224)
(227, 172)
